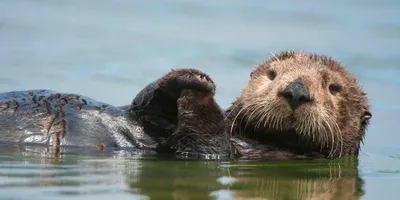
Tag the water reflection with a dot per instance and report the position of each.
(88, 175)
(323, 179)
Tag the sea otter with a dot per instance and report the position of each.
(155, 120)
(295, 105)
(299, 104)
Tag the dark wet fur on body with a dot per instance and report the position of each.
(200, 125)
(150, 122)
(48, 117)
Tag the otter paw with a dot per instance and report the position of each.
(188, 79)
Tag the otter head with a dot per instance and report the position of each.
(310, 102)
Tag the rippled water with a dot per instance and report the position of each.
(40, 176)
(109, 50)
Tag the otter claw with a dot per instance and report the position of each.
(193, 79)
(200, 77)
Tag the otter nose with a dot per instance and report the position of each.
(296, 94)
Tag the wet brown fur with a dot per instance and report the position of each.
(180, 107)
(332, 124)
(201, 125)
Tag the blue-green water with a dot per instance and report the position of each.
(29, 174)
(109, 50)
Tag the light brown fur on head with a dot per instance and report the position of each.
(332, 121)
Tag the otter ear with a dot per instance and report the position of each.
(366, 116)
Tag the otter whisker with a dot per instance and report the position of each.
(329, 133)
(324, 132)
(277, 59)
(321, 131)
(266, 120)
(244, 108)
(277, 118)
(261, 116)
(237, 115)
(304, 126)
(261, 111)
(276, 121)
(341, 137)
(334, 136)
(280, 123)
(272, 119)
(336, 132)
(252, 114)
(231, 110)
(315, 125)
(267, 116)
(310, 124)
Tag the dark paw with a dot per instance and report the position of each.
(167, 89)
(192, 79)
(157, 104)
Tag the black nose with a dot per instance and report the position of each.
(296, 94)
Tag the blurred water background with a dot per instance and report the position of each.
(109, 50)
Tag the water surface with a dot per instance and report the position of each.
(109, 50)
(27, 171)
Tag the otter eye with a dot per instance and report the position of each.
(271, 74)
(335, 88)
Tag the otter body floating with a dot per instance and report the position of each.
(149, 123)
(43, 116)
(295, 105)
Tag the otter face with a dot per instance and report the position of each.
(308, 95)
